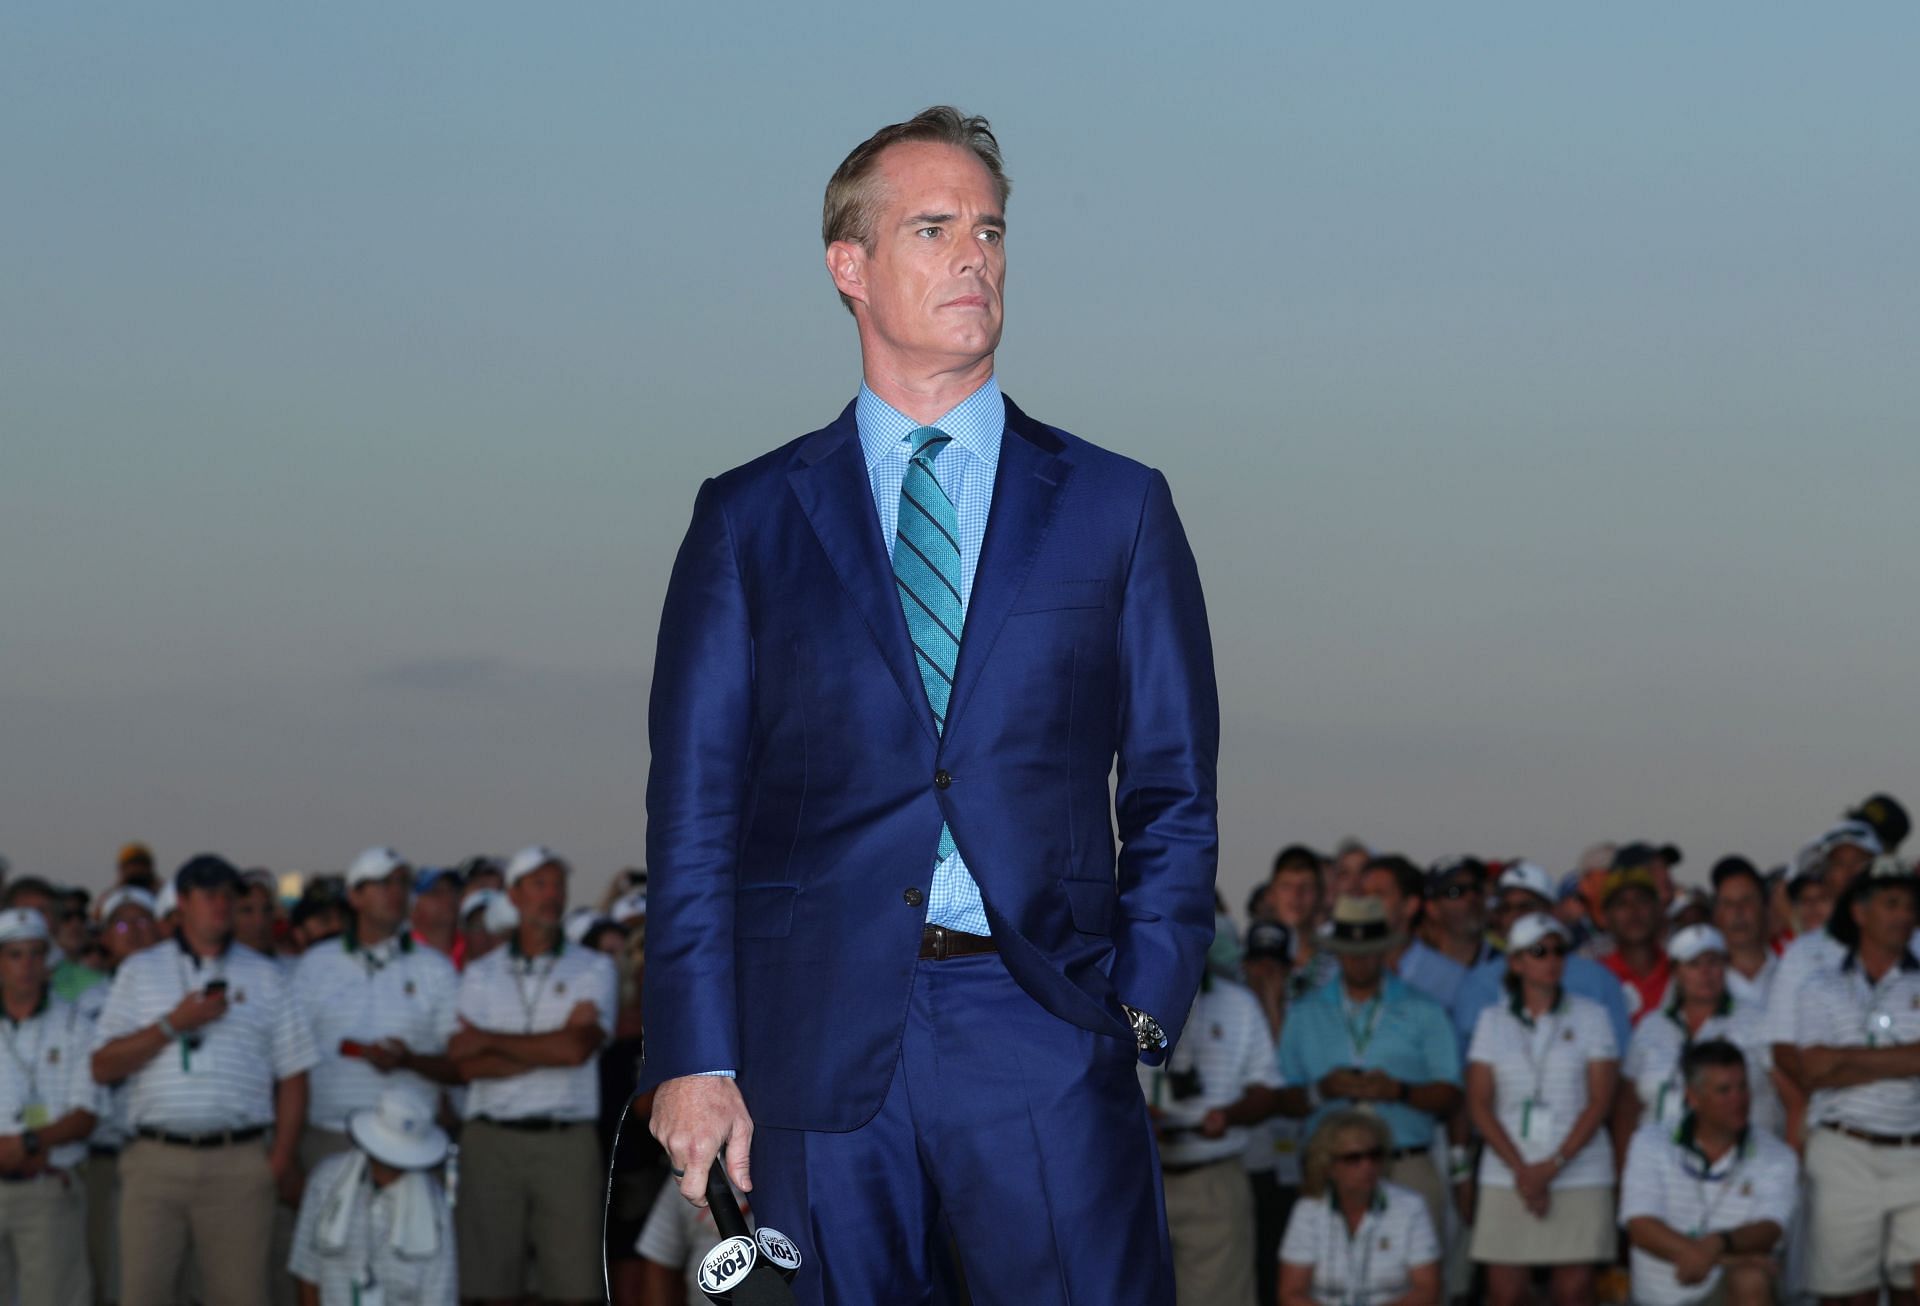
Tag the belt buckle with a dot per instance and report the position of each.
(941, 938)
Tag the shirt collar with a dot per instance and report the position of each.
(976, 424)
(39, 1009)
(1907, 960)
(226, 946)
(1683, 1138)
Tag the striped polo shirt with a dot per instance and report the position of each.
(342, 1273)
(1670, 1180)
(394, 989)
(1224, 1049)
(1652, 1062)
(511, 994)
(1841, 1008)
(1368, 1264)
(227, 1082)
(45, 1073)
(1540, 1085)
(1805, 957)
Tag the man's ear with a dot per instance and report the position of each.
(847, 265)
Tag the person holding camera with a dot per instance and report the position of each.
(215, 1058)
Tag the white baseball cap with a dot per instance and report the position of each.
(1529, 876)
(628, 907)
(528, 860)
(499, 915)
(131, 895)
(19, 924)
(1696, 941)
(374, 864)
(1532, 928)
(578, 922)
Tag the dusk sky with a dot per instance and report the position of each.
(1537, 384)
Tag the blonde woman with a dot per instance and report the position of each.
(1353, 1238)
(1541, 1071)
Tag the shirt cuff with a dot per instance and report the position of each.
(711, 1074)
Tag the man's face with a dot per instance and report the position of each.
(1460, 905)
(322, 925)
(1811, 906)
(1843, 863)
(207, 913)
(1633, 914)
(1362, 972)
(930, 284)
(1740, 912)
(541, 896)
(69, 926)
(129, 930)
(382, 903)
(1515, 903)
(253, 918)
(1886, 917)
(23, 966)
(1384, 885)
(1343, 875)
(436, 906)
(1721, 1097)
(1295, 895)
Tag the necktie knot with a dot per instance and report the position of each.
(927, 442)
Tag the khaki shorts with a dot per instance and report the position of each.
(1863, 1214)
(521, 1190)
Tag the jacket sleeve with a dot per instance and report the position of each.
(1169, 744)
(700, 729)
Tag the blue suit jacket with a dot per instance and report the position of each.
(792, 803)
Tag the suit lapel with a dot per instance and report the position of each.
(832, 488)
(1026, 491)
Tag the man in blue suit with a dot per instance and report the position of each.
(891, 950)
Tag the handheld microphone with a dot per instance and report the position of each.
(744, 1269)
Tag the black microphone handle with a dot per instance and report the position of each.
(726, 1212)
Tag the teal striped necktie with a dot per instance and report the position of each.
(926, 570)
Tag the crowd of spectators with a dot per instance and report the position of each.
(1468, 1080)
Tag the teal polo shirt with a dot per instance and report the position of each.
(1404, 1033)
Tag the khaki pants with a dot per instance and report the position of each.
(43, 1223)
(521, 1188)
(1210, 1220)
(1418, 1172)
(217, 1200)
(102, 1170)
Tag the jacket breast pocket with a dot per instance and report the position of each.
(1053, 596)
(764, 911)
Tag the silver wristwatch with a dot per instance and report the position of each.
(1146, 1030)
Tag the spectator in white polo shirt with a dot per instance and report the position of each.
(127, 926)
(533, 1018)
(374, 1225)
(48, 1106)
(1541, 1070)
(215, 1056)
(1356, 1238)
(1707, 1202)
(1702, 1007)
(1858, 1026)
(1740, 914)
(1220, 1078)
(381, 1006)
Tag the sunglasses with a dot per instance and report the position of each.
(1454, 892)
(1373, 1154)
(1540, 951)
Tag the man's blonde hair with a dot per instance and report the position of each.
(853, 192)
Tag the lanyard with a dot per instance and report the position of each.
(29, 1065)
(1355, 1290)
(530, 964)
(1360, 1034)
(1537, 1065)
(1725, 1181)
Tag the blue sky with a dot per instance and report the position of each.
(1536, 383)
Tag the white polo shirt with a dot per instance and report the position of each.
(1754, 992)
(228, 1081)
(1365, 1265)
(1805, 957)
(396, 989)
(1225, 1043)
(1652, 1062)
(368, 1253)
(1669, 1180)
(510, 994)
(45, 1074)
(1840, 1008)
(1540, 1085)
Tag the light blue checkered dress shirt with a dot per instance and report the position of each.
(965, 470)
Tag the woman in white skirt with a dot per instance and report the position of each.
(1354, 1239)
(1541, 1070)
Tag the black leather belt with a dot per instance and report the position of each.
(937, 943)
(218, 1138)
(1878, 1140)
(536, 1124)
(1191, 1166)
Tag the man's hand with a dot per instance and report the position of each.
(469, 1040)
(197, 1009)
(1214, 1124)
(1463, 1195)
(694, 1117)
(388, 1055)
(289, 1180)
(1375, 1086)
(13, 1153)
(1342, 1083)
(1696, 1261)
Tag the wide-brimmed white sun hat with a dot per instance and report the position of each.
(399, 1131)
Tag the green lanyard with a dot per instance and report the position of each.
(1361, 1035)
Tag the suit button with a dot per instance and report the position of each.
(912, 897)
(941, 779)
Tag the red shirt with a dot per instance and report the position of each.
(1644, 992)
